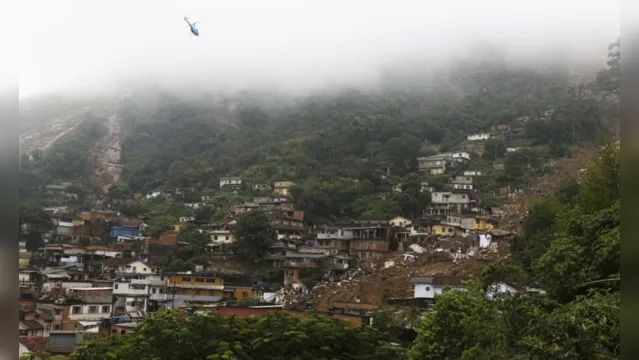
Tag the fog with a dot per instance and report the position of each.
(86, 46)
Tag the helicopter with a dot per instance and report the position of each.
(194, 30)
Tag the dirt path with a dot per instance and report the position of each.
(107, 155)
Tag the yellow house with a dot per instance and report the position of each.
(199, 287)
(78, 222)
(283, 188)
(482, 224)
(177, 227)
(440, 229)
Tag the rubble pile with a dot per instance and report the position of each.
(389, 276)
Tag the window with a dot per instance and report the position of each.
(186, 279)
(427, 288)
(210, 280)
(105, 309)
(56, 327)
(57, 311)
(76, 310)
(133, 268)
(244, 294)
(93, 309)
(215, 237)
(197, 291)
(154, 290)
(144, 269)
(211, 292)
(116, 286)
(200, 280)
(226, 238)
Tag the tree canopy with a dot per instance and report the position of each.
(170, 335)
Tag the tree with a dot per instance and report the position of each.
(610, 78)
(170, 335)
(204, 213)
(255, 235)
(34, 242)
(33, 214)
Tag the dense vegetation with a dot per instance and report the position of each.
(168, 335)
(571, 248)
(69, 159)
(575, 258)
(344, 149)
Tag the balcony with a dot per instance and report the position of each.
(158, 297)
(149, 282)
(89, 317)
(130, 289)
(203, 286)
(300, 264)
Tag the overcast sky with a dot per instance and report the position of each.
(90, 43)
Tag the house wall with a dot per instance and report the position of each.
(439, 229)
(482, 225)
(136, 267)
(48, 286)
(89, 312)
(429, 291)
(372, 245)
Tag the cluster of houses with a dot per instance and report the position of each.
(96, 272)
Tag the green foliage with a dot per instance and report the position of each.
(610, 78)
(570, 247)
(255, 235)
(69, 158)
(169, 335)
(33, 214)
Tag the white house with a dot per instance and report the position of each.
(399, 221)
(502, 287)
(426, 287)
(136, 267)
(472, 173)
(447, 197)
(475, 137)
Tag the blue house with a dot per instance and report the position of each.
(124, 231)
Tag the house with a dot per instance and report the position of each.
(429, 286)
(231, 183)
(443, 230)
(287, 227)
(472, 173)
(397, 188)
(370, 240)
(283, 188)
(460, 157)
(261, 187)
(482, 223)
(461, 182)
(30, 328)
(433, 165)
(145, 293)
(295, 263)
(481, 136)
(399, 221)
(76, 305)
(463, 222)
(502, 287)
(448, 197)
(221, 241)
(205, 288)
